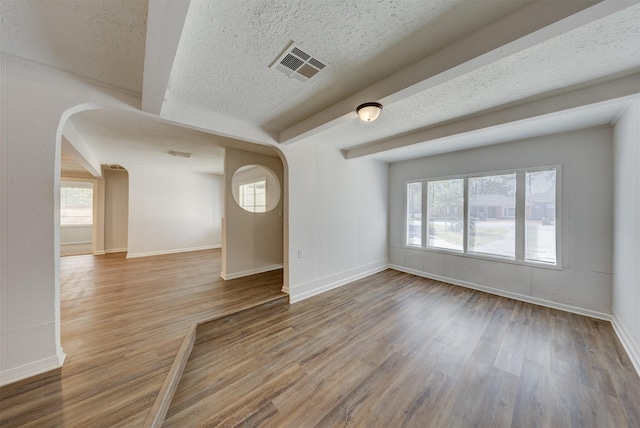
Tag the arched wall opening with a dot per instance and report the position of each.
(38, 101)
(276, 159)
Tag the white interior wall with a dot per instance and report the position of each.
(76, 234)
(584, 282)
(626, 250)
(253, 242)
(116, 207)
(337, 218)
(35, 100)
(173, 211)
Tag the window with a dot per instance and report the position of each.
(414, 214)
(445, 211)
(490, 232)
(509, 215)
(540, 216)
(76, 203)
(253, 196)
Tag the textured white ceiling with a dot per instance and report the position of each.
(222, 63)
(127, 139)
(223, 58)
(605, 47)
(103, 40)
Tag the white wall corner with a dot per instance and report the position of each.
(32, 369)
(318, 286)
(632, 348)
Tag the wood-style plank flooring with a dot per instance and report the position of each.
(395, 350)
(122, 323)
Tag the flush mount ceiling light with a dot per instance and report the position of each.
(369, 112)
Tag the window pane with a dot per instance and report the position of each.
(76, 205)
(492, 224)
(445, 210)
(253, 195)
(414, 214)
(540, 216)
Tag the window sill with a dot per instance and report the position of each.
(485, 257)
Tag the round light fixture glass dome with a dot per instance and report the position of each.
(368, 112)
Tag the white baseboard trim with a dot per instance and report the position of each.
(509, 294)
(327, 283)
(228, 276)
(75, 243)
(174, 251)
(632, 348)
(32, 369)
(115, 250)
(99, 253)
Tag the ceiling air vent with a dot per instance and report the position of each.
(113, 167)
(297, 63)
(178, 154)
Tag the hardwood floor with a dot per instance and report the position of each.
(75, 249)
(389, 350)
(123, 322)
(395, 350)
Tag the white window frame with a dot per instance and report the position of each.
(519, 218)
(253, 181)
(422, 215)
(67, 182)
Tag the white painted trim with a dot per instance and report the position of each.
(178, 250)
(228, 276)
(75, 243)
(165, 21)
(632, 348)
(61, 355)
(334, 281)
(515, 296)
(4, 222)
(115, 250)
(99, 253)
(32, 369)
